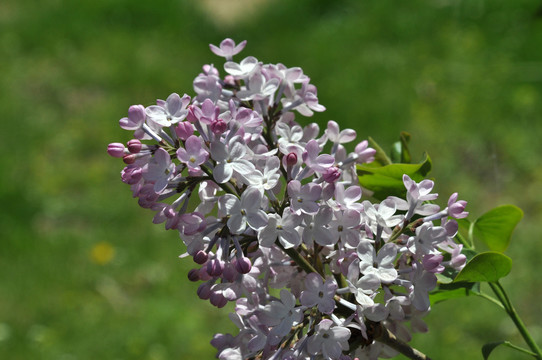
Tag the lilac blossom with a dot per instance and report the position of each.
(243, 212)
(281, 228)
(275, 210)
(328, 340)
(171, 112)
(381, 264)
(227, 48)
(192, 155)
(319, 293)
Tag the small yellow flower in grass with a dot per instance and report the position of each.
(102, 253)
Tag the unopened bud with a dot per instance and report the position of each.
(134, 146)
(184, 130)
(253, 247)
(218, 300)
(193, 275)
(243, 265)
(291, 159)
(115, 150)
(332, 174)
(218, 127)
(201, 257)
(215, 267)
(129, 159)
(204, 291)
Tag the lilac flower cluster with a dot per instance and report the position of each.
(279, 226)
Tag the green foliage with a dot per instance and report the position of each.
(485, 267)
(495, 227)
(487, 349)
(384, 178)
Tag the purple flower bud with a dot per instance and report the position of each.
(456, 208)
(432, 263)
(192, 117)
(193, 275)
(218, 300)
(229, 274)
(215, 267)
(131, 174)
(129, 159)
(203, 276)
(184, 130)
(229, 80)
(332, 174)
(134, 146)
(218, 126)
(243, 265)
(253, 247)
(291, 159)
(115, 150)
(201, 257)
(204, 291)
(210, 70)
(364, 152)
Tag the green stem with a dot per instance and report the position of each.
(223, 186)
(511, 311)
(299, 260)
(489, 298)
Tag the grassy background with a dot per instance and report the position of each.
(85, 275)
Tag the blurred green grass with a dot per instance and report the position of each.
(463, 77)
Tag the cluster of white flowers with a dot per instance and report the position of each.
(280, 226)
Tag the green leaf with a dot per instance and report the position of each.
(380, 156)
(452, 291)
(495, 227)
(405, 152)
(488, 348)
(387, 180)
(487, 266)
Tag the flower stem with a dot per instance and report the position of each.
(511, 311)
(299, 259)
(386, 337)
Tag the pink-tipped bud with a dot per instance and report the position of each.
(115, 150)
(218, 300)
(193, 275)
(129, 159)
(131, 174)
(229, 80)
(134, 146)
(253, 247)
(229, 274)
(215, 267)
(191, 116)
(201, 257)
(432, 263)
(210, 70)
(218, 126)
(203, 276)
(332, 174)
(204, 291)
(291, 159)
(184, 130)
(243, 265)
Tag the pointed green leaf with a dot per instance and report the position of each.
(495, 227)
(380, 156)
(488, 348)
(487, 266)
(387, 180)
(452, 291)
(405, 152)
